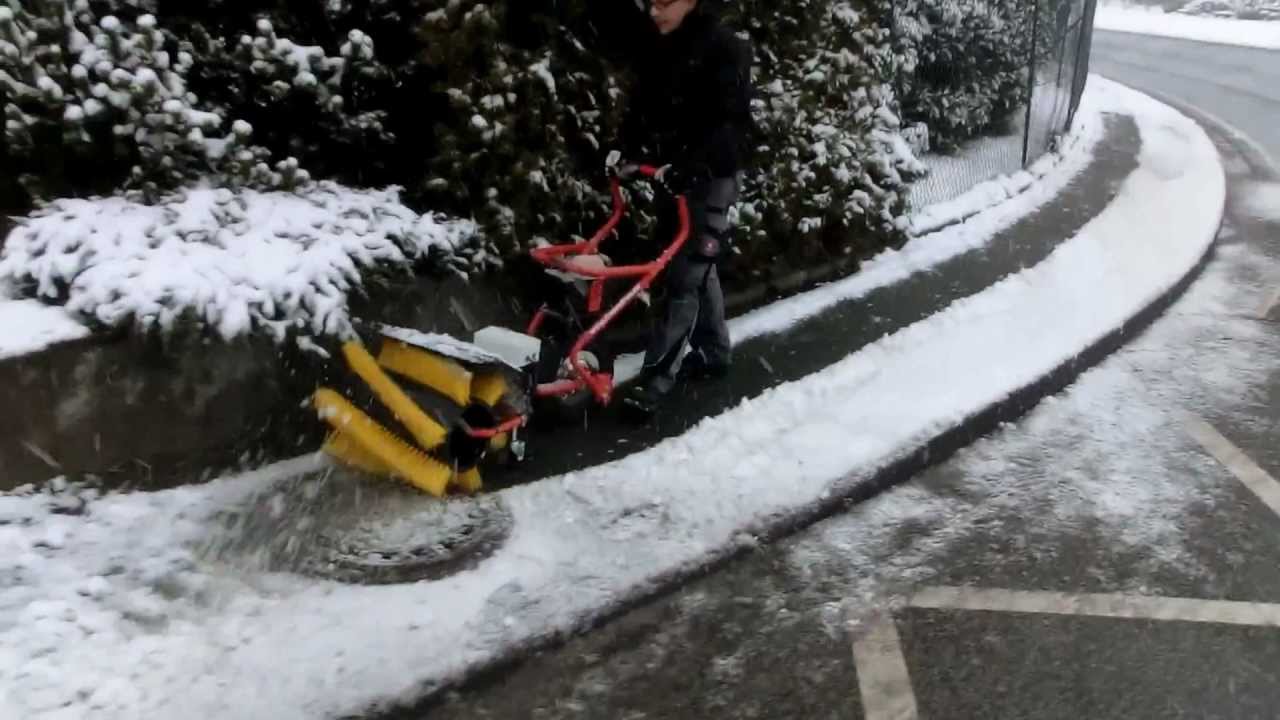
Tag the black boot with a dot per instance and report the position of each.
(641, 401)
(696, 367)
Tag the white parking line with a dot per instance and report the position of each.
(1240, 465)
(882, 673)
(1136, 607)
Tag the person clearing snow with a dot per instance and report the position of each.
(429, 409)
(690, 113)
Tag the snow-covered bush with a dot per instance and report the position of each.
(509, 108)
(830, 165)
(963, 63)
(1238, 9)
(278, 263)
(490, 110)
(303, 102)
(500, 112)
(92, 101)
(530, 108)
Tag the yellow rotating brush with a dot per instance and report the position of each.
(364, 443)
(361, 442)
(437, 373)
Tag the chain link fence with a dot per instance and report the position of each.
(1055, 38)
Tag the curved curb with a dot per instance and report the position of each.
(1259, 160)
(844, 493)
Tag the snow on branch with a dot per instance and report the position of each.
(236, 262)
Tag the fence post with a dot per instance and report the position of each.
(1031, 77)
(1084, 49)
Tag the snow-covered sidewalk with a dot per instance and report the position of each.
(1150, 21)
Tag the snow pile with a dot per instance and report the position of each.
(985, 194)
(29, 325)
(113, 612)
(1248, 33)
(236, 262)
(1237, 9)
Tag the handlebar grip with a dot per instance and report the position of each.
(649, 172)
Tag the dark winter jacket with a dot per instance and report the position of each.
(691, 103)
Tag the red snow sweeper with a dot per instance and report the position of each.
(428, 408)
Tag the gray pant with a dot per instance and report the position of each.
(694, 312)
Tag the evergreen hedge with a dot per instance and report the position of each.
(497, 111)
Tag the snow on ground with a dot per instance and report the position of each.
(1063, 164)
(981, 196)
(233, 261)
(1244, 9)
(1150, 21)
(114, 611)
(29, 325)
(982, 158)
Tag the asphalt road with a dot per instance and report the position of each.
(1238, 85)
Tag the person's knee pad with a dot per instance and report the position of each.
(713, 232)
(707, 246)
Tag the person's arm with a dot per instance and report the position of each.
(635, 124)
(631, 133)
(719, 154)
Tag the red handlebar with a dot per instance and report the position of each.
(557, 256)
(649, 171)
(554, 256)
